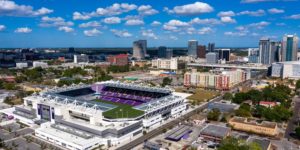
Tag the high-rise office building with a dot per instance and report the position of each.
(71, 50)
(169, 53)
(224, 54)
(211, 47)
(201, 51)
(275, 51)
(289, 48)
(164, 52)
(139, 49)
(192, 48)
(264, 51)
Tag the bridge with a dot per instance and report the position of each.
(236, 66)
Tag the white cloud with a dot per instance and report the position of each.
(54, 22)
(52, 19)
(155, 23)
(10, 8)
(149, 34)
(230, 33)
(66, 29)
(228, 20)
(146, 10)
(205, 30)
(81, 16)
(210, 21)
(259, 25)
(177, 23)
(169, 28)
(172, 37)
(256, 13)
(2, 27)
(295, 17)
(191, 9)
(256, 1)
(112, 20)
(121, 33)
(92, 32)
(134, 22)
(93, 24)
(275, 11)
(115, 9)
(23, 30)
(226, 14)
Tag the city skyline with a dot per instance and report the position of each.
(118, 23)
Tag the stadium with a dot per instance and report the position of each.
(105, 113)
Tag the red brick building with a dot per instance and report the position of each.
(119, 60)
(201, 51)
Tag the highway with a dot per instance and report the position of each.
(251, 67)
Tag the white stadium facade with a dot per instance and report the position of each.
(81, 117)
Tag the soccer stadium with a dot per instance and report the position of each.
(105, 113)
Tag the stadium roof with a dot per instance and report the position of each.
(135, 87)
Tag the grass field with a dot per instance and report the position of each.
(201, 95)
(122, 111)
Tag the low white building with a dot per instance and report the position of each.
(289, 69)
(39, 64)
(168, 64)
(81, 58)
(21, 65)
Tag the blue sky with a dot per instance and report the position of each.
(117, 23)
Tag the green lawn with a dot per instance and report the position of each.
(122, 111)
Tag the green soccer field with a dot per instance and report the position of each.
(122, 111)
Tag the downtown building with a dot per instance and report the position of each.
(286, 70)
(201, 51)
(289, 47)
(139, 49)
(118, 60)
(211, 47)
(269, 51)
(164, 52)
(215, 79)
(167, 64)
(224, 54)
(82, 58)
(192, 48)
(212, 58)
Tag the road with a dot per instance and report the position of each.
(296, 116)
(169, 125)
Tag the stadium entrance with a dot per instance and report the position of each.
(44, 112)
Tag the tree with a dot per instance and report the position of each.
(298, 84)
(231, 143)
(214, 114)
(166, 81)
(9, 86)
(297, 131)
(227, 96)
(239, 98)
(255, 96)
